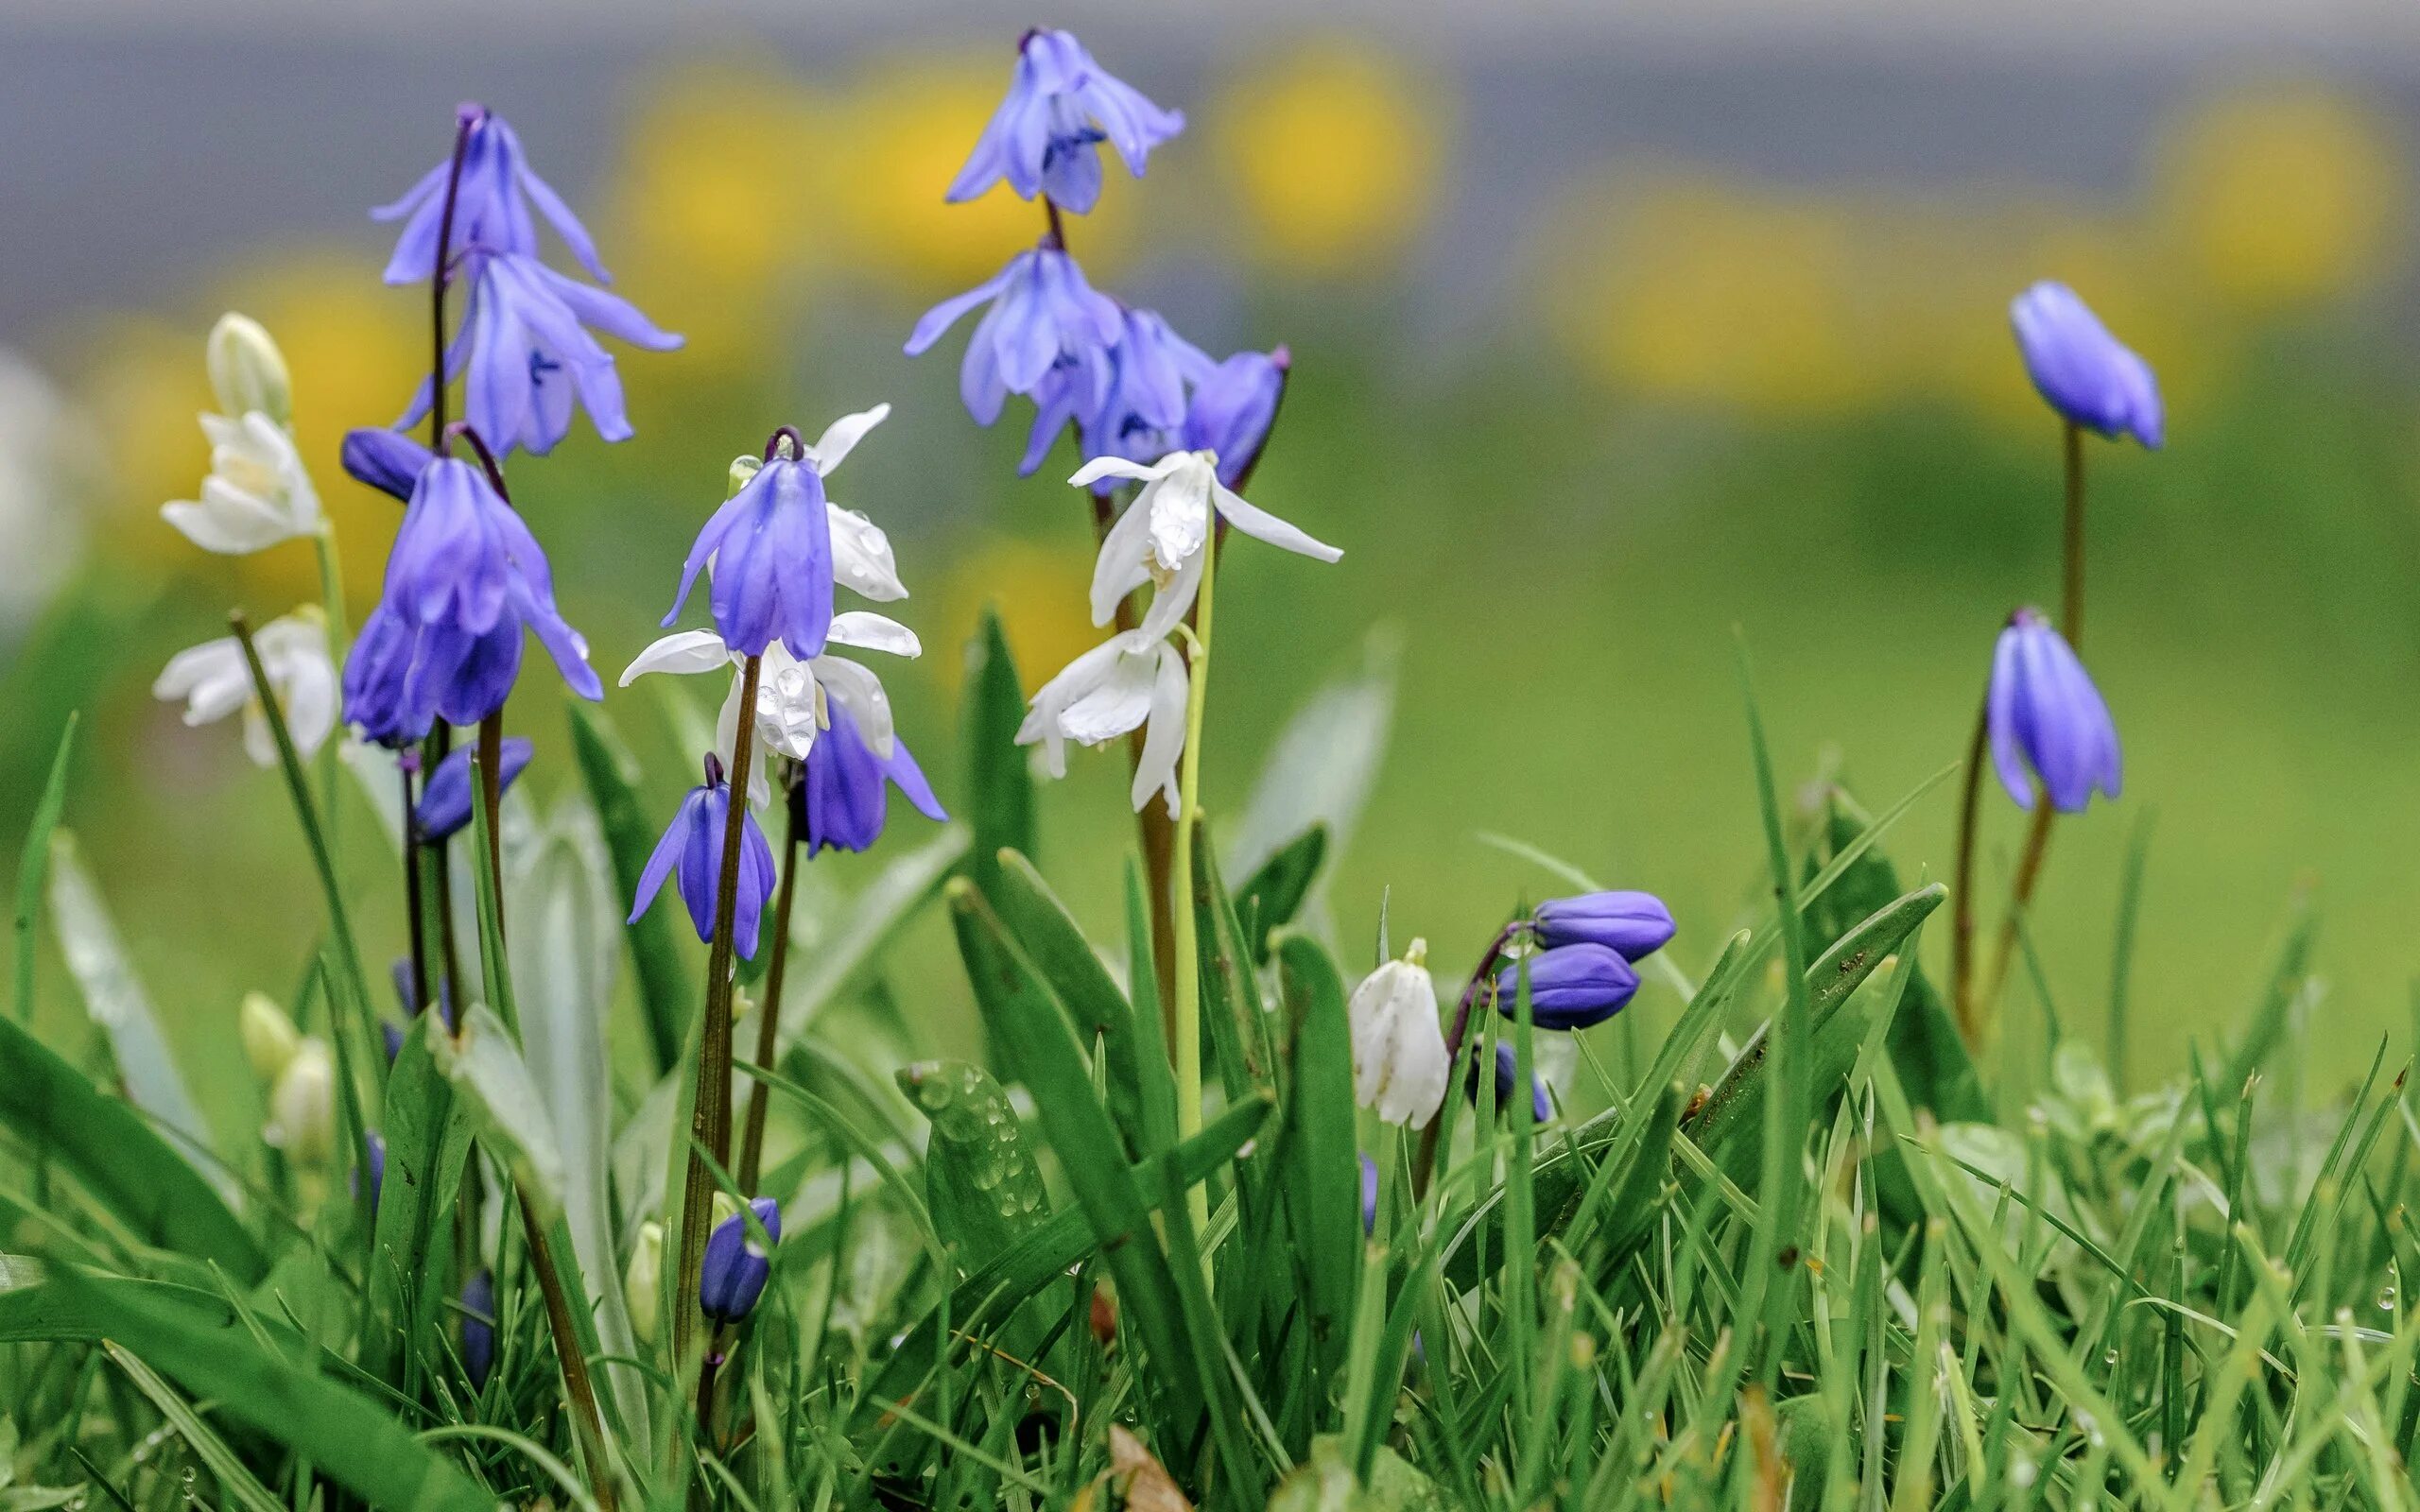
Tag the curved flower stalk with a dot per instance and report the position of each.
(494, 189)
(1044, 139)
(213, 680)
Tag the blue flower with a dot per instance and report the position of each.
(374, 1159)
(1042, 313)
(1571, 987)
(1507, 1078)
(1234, 406)
(732, 1275)
(1369, 1194)
(526, 344)
(491, 205)
(464, 578)
(1060, 105)
(1634, 925)
(478, 1328)
(845, 796)
(387, 460)
(692, 845)
(2045, 715)
(407, 992)
(445, 803)
(1130, 402)
(2081, 369)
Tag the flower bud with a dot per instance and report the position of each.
(732, 1274)
(1507, 1078)
(1368, 1195)
(387, 460)
(302, 1106)
(1400, 1064)
(2082, 371)
(270, 1036)
(444, 804)
(478, 1328)
(2047, 720)
(1634, 925)
(247, 371)
(642, 1281)
(1571, 987)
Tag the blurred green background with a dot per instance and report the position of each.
(1580, 388)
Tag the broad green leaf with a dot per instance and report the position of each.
(428, 1141)
(31, 861)
(999, 777)
(565, 942)
(240, 1486)
(981, 1181)
(1052, 940)
(667, 989)
(119, 1158)
(505, 1103)
(1321, 1168)
(839, 954)
(114, 997)
(1322, 764)
(1270, 898)
(213, 1357)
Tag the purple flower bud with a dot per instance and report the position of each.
(2044, 714)
(1234, 406)
(732, 1276)
(1631, 924)
(463, 581)
(2081, 369)
(415, 1003)
(1369, 1194)
(491, 205)
(1041, 314)
(771, 548)
(478, 1328)
(1571, 987)
(394, 1041)
(693, 846)
(1043, 139)
(374, 1160)
(387, 460)
(445, 802)
(1507, 1072)
(845, 796)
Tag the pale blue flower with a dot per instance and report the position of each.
(1044, 139)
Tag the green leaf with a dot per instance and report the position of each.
(667, 995)
(981, 1181)
(1052, 940)
(876, 914)
(428, 1139)
(31, 862)
(504, 1102)
(242, 1488)
(213, 1356)
(1323, 764)
(1325, 1483)
(999, 780)
(1275, 893)
(118, 1157)
(1321, 1171)
(115, 997)
(2275, 1011)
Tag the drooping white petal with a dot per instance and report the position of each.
(1262, 525)
(857, 690)
(1123, 565)
(682, 652)
(861, 559)
(1173, 600)
(760, 758)
(1400, 1064)
(841, 436)
(1118, 467)
(1155, 770)
(869, 631)
(1119, 703)
(257, 493)
(213, 680)
(1042, 720)
(789, 702)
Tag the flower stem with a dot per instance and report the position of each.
(1961, 934)
(752, 1144)
(339, 635)
(1482, 980)
(1185, 1049)
(491, 799)
(438, 273)
(434, 750)
(710, 1123)
(2037, 836)
(414, 923)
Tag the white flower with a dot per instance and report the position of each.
(1400, 1064)
(302, 1106)
(1125, 682)
(257, 493)
(247, 371)
(214, 681)
(1159, 537)
(792, 697)
(861, 556)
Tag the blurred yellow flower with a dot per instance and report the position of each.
(907, 129)
(1039, 592)
(2282, 194)
(1332, 148)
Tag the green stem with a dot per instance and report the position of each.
(1184, 1051)
(768, 1017)
(339, 637)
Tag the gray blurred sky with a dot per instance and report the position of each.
(152, 141)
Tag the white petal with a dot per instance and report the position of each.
(1180, 511)
(1122, 566)
(1119, 702)
(790, 703)
(869, 631)
(230, 533)
(684, 652)
(1172, 600)
(861, 556)
(857, 690)
(188, 669)
(1116, 466)
(1262, 525)
(843, 435)
(1155, 770)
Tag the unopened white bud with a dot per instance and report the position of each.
(247, 371)
(643, 1282)
(270, 1036)
(302, 1106)
(1400, 1064)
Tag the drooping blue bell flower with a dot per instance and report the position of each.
(387, 460)
(1044, 139)
(1232, 408)
(771, 545)
(1041, 314)
(444, 804)
(692, 847)
(490, 204)
(732, 1276)
(845, 796)
(1508, 1077)
(1634, 925)
(2082, 371)
(465, 577)
(478, 1328)
(1571, 987)
(2047, 720)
